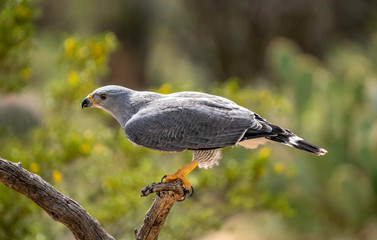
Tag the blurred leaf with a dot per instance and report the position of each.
(16, 30)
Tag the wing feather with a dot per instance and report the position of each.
(184, 123)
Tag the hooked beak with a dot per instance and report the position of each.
(87, 102)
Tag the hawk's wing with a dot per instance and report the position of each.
(187, 122)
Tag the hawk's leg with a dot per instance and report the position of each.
(180, 174)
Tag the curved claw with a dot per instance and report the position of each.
(192, 191)
(188, 193)
(162, 179)
(182, 199)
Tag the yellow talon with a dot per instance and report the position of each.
(180, 174)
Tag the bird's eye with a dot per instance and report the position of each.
(103, 96)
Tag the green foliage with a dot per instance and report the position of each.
(334, 101)
(85, 154)
(57, 141)
(84, 61)
(16, 30)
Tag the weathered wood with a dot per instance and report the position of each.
(169, 193)
(67, 211)
(60, 207)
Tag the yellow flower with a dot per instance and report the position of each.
(25, 73)
(264, 152)
(69, 44)
(23, 12)
(57, 176)
(165, 89)
(69, 47)
(279, 168)
(84, 148)
(34, 167)
(73, 78)
(97, 50)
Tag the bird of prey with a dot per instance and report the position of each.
(199, 122)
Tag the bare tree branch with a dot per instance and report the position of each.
(169, 193)
(67, 211)
(60, 207)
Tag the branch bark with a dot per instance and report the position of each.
(168, 194)
(60, 207)
(67, 211)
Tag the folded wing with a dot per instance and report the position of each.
(189, 123)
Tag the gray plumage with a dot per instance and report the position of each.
(199, 122)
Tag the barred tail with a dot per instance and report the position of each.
(299, 143)
(265, 130)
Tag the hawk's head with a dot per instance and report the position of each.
(108, 98)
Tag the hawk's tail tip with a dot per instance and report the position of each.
(321, 152)
(297, 142)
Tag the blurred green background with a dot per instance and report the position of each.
(309, 66)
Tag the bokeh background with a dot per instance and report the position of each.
(309, 66)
